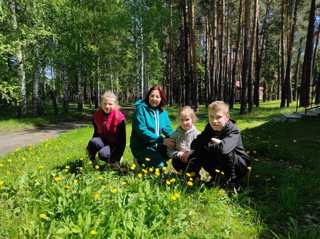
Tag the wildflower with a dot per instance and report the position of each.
(168, 182)
(190, 183)
(114, 190)
(76, 181)
(140, 175)
(175, 196)
(188, 174)
(143, 165)
(172, 180)
(165, 170)
(147, 159)
(81, 159)
(157, 172)
(44, 216)
(67, 167)
(222, 173)
(133, 167)
(145, 171)
(1, 183)
(66, 186)
(123, 183)
(66, 170)
(169, 161)
(190, 179)
(151, 169)
(217, 171)
(57, 178)
(100, 177)
(93, 232)
(97, 167)
(97, 196)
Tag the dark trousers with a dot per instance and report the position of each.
(231, 164)
(96, 145)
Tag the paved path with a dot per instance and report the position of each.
(10, 141)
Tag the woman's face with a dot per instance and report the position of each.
(108, 105)
(154, 98)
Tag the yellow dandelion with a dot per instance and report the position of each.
(151, 170)
(66, 170)
(123, 183)
(133, 166)
(145, 171)
(168, 182)
(93, 232)
(100, 177)
(165, 170)
(190, 183)
(148, 159)
(67, 167)
(172, 180)
(57, 178)
(188, 174)
(97, 167)
(157, 172)
(44, 216)
(114, 190)
(169, 161)
(190, 179)
(249, 168)
(80, 168)
(143, 165)
(140, 175)
(217, 171)
(1, 183)
(66, 186)
(222, 172)
(76, 181)
(81, 159)
(97, 196)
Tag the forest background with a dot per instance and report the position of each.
(59, 52)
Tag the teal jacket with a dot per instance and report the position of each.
(150, 126)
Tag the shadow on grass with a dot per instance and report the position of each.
(285, 187)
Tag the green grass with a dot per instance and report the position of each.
(51, 190)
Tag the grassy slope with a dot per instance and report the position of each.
(284, 190)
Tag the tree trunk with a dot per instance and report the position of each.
(246, 57)
(307, 62)
(36, 101)
(19, 61)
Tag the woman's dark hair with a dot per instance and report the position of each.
(163, 101)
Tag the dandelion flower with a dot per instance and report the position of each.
(222, 172)
(67, 166)
(145, 171)
(97, 196)
(57, 178)
(76, 181)
(66, 186)
(97, 167)
(217, 171)
(93, 232)
(44, 216)
(140, 175)
(190, 183)
(114, 190)
(123, 183)
(100, 177)
(133, 167)
(148, 159)
(81, 159)
(1, 183)
(151, 169)
(172, 180)
(168, 182)
(157, 172)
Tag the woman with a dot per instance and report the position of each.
(109, 137)
(151, 130)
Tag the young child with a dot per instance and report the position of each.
(183, 136)
(220, 146)
(109, 137)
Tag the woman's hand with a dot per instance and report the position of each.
(169, 142)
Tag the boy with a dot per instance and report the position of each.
(220, 146)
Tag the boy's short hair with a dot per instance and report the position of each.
(219, 106)
(187, 110)
(110, 94)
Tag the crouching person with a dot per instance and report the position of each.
(220, 147)
(109, 137)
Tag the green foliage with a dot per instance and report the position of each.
(9, 94)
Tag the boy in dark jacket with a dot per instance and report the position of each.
(220, 146)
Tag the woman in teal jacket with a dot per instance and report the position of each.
(151, 130)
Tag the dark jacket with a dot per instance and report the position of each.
(231, 141)
(116, 140)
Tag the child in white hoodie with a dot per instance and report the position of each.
(183, 137)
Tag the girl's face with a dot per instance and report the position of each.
(108, 105)
(154, 98)
(217, 119)
(186, 121)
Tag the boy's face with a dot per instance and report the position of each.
(217, 119)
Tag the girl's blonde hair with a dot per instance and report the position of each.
(216, 106)
(110, 94)
(187, 110)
